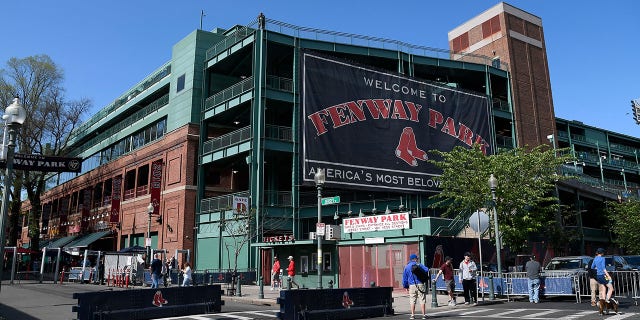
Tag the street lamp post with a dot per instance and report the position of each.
(319, 179)
(14, 117)
(493, 183)
(150, 209)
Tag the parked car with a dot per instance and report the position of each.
(634, 261)
(572, 264)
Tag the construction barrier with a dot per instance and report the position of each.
(148, 303)
(348, 303)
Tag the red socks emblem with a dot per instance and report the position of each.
(407, 150)
(158, 300)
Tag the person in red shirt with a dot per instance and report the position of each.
(446, 270)
(291, 271)
(275, 274)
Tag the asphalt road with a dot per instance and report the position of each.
(550, 310)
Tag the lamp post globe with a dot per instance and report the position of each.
(14, 116)
(319, 179)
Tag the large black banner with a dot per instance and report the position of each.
(373, 129)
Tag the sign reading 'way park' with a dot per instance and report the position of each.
(34, 162)
(391, 221)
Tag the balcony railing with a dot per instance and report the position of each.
(374, 42)
(119, 126)
(231, 39)
(279, 83)
(141, 190)
(228, 93)
(500, 104)
(245, 134)
(129, 194)
(139, 88)
(219, 203)
(232, 138)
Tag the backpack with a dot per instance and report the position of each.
(419, 273)
(591, 272)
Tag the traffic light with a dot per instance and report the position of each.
(635, 108)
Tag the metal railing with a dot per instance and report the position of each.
(119, 126)
(228, 93)
(245, 134)
(626, 284)
(138, 88)
(231, 138)
(375, 42)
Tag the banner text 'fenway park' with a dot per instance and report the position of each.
(372, 130)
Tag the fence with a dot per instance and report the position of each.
(552, 284)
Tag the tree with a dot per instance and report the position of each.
(625, 224)
(241, 229)
(37, 82)
(526, 197)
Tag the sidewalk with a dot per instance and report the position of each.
(250, 295)
(30, 300)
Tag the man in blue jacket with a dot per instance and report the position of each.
(417, 289)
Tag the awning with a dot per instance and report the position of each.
(59, 243)
(86, 240)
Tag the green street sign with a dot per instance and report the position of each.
(330, 200)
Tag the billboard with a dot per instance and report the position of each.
(373, 129)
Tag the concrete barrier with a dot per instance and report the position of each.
(148, 303)
(344, 303)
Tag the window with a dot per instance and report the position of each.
(314, 262)
(326, 261)
(495, 62)
(180, 84)
(490, 27)
(460, 43)
(304, 264)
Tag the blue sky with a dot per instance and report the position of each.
(106, 47)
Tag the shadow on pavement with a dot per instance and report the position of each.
(8, 313)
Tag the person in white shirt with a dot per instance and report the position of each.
(467, 276)
(187, 274)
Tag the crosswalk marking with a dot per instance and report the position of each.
(620, 316)
(470, 312)
(540, 314)
(508, 312)
(262, 314)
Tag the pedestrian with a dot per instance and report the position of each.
(101, 271)
(165, 273)
(593, 283)
(446, 270)
(416, 288)
(156, 271)
(533, 274)
(291, 271)
(275, 274)
(467, 276)
(605, 282)
(187, 274)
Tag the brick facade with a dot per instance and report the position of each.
(178, 151)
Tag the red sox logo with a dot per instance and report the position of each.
(158, 300)
(407, 150)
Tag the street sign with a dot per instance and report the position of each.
(330, 200)
(320, 229)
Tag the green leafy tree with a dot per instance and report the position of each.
(37, 82)
(625, 224)
(526, 200)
